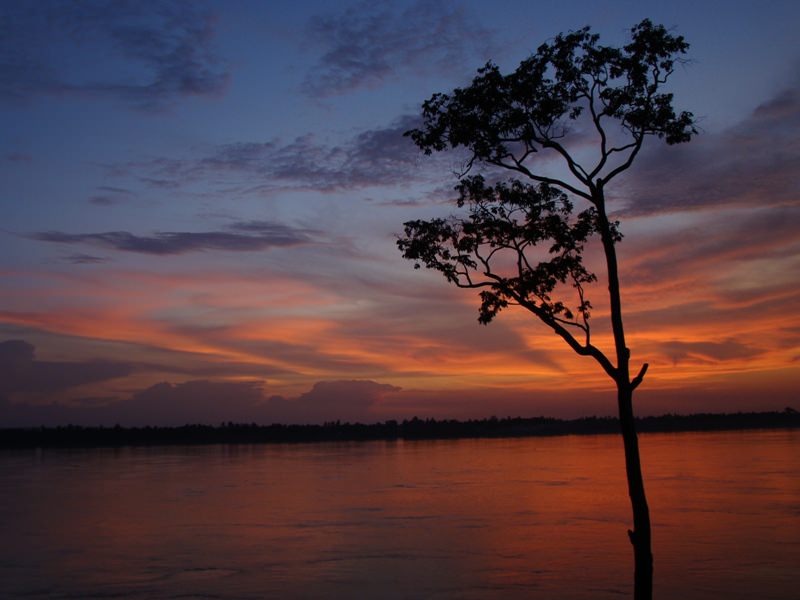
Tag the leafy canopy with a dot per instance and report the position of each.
(504, 119)
(522, 237)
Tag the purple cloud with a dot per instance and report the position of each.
(258, 235)
(755, 163)
(21, 372)
(110, 195)
(375, 157)
(206, 402)
(146, 54)
(352, 401)
(713, 244)
(371, 42)
(679, 351)
(210, 403)
(84, 259)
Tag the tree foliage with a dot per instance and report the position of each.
(504, 119)
(508, 217)
(522, 237)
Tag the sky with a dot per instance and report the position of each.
(201, 203)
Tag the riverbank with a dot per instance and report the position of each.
(239, 433)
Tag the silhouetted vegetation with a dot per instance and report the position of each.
(522, 240)
(74, 436)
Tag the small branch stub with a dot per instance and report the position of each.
(638, 379)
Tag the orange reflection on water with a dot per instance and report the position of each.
(506, 518)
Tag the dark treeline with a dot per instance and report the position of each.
(412, 429)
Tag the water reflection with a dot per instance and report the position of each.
(542, 517)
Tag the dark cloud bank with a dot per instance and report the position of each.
(20, 371)
(197, 401)
(209, 403)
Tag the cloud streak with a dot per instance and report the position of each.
(376, 157)
(246, 237)
(109, 195)
(84, 259)
(755, 163)
(727, 350)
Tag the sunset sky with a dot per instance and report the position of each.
(201, 201)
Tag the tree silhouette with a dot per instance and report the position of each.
(522, 241)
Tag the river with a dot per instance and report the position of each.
(467, 519)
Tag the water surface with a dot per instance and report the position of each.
(506, 518)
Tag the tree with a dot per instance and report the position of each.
(522, 241)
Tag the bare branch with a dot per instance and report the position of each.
(624, 166)
(520, 168)
(569, 323)
(622, 148)
(587, 350)
(576, 169)
(598, 126)
(638, 379)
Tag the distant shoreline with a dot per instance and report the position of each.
(73, 436)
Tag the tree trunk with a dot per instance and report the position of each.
(640, 535)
